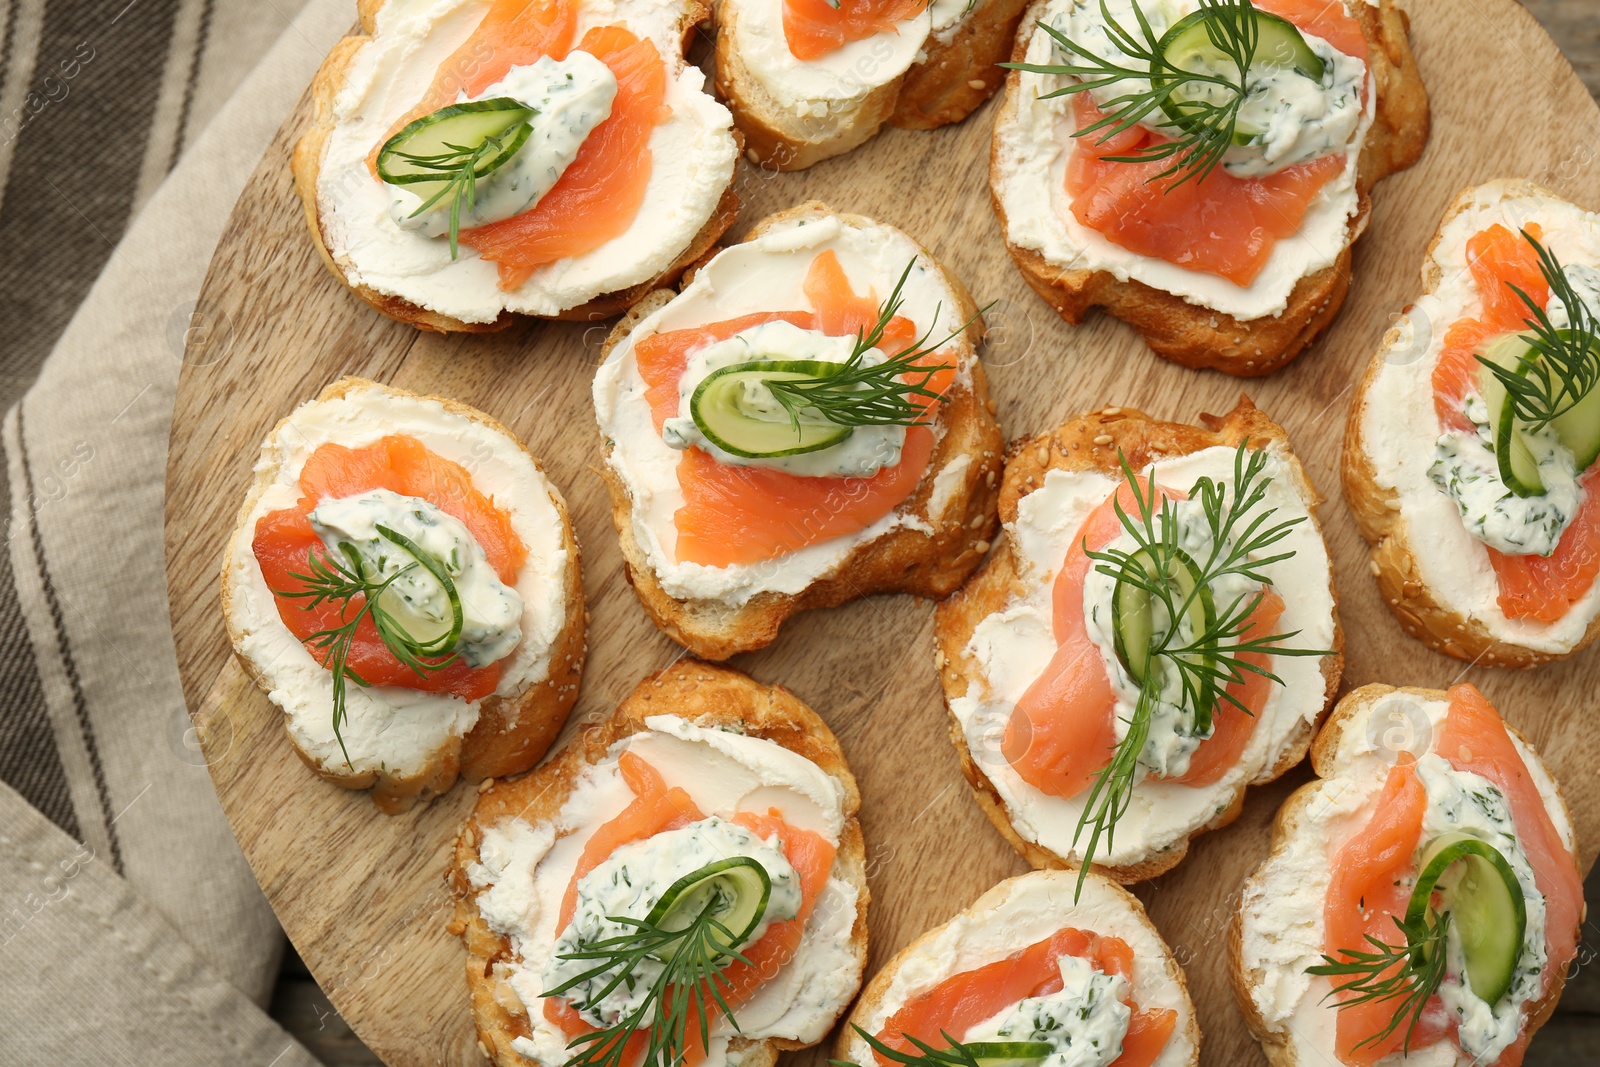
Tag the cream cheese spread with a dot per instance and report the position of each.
(1400, 427)
(1033, 143)
(522, 873)
(387, 727)
(764, 275)
(1013, 647)
(692, 157)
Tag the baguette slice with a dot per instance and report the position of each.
(957, 70)
(930, 561)
(511, 730)
(317, 196)
(1266, 963)
(1092, 442)
(1193, 335)
(708, 696)
(1013, 915)
(1405, 548)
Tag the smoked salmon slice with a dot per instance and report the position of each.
(402, 464)
(1538, 588)
(1062, 731)
(739, 515)
(1221, 224)
(963, 1000)
(1367, 889)
(656, 809)
(815, 28)
(596, 198)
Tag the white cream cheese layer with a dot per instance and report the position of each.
(767, 274)
(1033, 142)
(523, 872)
(1014, 646)
(1399, 424)
(1015, 914)
(821, 88)
(388, 727)
(692, 160)
(1281, 910)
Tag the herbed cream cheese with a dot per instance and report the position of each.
(1015, 914)
(1013, 647)
(1400, 426)
(388, 727)
(763, 275)
(1033, 142)
(692, 161)
(824, 87)
(522, 873)
(1281, 908)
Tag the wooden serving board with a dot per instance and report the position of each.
(362, 894)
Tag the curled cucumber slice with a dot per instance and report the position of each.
(736, 411)
(1577, 428)
(1189, 45)
(451, 130)
(736, 889)
(422, 635)
(1480, 891)
(1133, 616)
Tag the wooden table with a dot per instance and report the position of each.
(348, 336)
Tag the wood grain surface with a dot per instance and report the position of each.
(362, 895)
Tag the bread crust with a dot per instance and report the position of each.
(512, 733)
(901, 561)
(953, 79)
(704, 694)
(306, 166)
(1200, 337)
(870, 1006)
(1276, 1045)
(1412, 601)
(1092, 442)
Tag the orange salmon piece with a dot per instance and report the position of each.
(1231, 728)
(735, 514)
(815, 28)
(1328, 19)
(1475, 739)
(284, 540)
(963, 1000)
(1364, 898)
(599, 195)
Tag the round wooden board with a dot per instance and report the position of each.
(362, 895)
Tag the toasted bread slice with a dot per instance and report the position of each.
(536, 807)
(1191, 333)
(345, 196)
(1019, 912)
(418, 748)
(932, 540)
(937, 68)
(1446, 594)
(1007, 605)
(1372, 728)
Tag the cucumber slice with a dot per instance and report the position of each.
(1578, 428)
(1478, 888)
(1187, 45)
(426, 637)
(1133, 618)
(1007, 1053)
(737, 412)
(448, 131)
(737, 888)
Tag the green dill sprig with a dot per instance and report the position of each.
(330, 579)
(955, 1054)
(1408, 972)
(693, 959)
(1205, 663)
(459, 167)
(858, 394)
(1198, 144)
(1561, 366)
